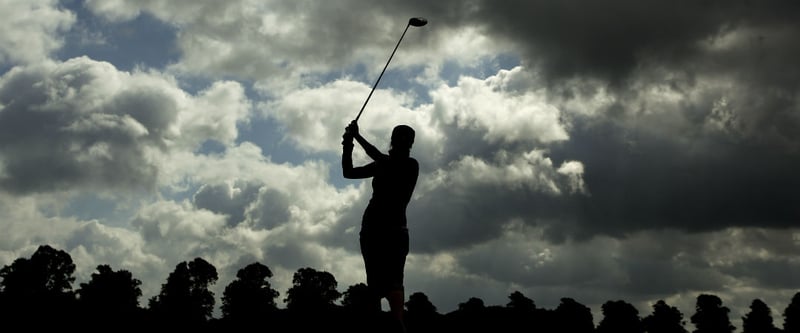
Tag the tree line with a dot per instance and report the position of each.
(37, 293)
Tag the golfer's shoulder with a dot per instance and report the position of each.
(407, 163)
(412, 162)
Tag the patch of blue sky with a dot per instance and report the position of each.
(185, 191)
(406, 80)
(269, 136)
(143, 42)
(398, 79)
(451, 70)
(356, 72)
(89, 206)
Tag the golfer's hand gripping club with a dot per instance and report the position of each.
(352, 129)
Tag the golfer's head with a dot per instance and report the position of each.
(402, 137)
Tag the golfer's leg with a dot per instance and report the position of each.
(396, 303)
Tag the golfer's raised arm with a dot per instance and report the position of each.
(348, 171)
(371, 151)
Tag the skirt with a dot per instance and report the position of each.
(384, 253)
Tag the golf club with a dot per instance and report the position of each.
(415, 21)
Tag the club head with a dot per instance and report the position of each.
(417, 21)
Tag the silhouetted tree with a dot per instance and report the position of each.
(521, 311)
(110, 296)
(664, 319)
(473, 305)
(357, 298)
(310, 303)
(759, 319)
(422, 315)
(619, 317)
(470, 316)
(312, 290)
(571, 316)
(39, 287)
(418, 303)
(711, 316)
(185, 297)
(363, 315)
(250, 296)
(791, 315)
(47, 271)
(518, 302)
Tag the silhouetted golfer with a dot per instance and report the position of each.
(384, 236)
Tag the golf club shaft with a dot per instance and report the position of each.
(384, 70)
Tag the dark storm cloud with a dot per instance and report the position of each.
(697, 185)
(722, 154)
(341, 27)
(610, 39)
(641, 267)
(449, 219)
(636, 180)
(770, 273)
(471, 204)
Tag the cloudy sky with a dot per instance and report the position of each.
(626, 149)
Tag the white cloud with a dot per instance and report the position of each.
(29, 30)
(28, 223)
(26, 227)
(281, 41)
(179, 223)
(252, 39)
(314, 118)
(84, 124)
(92, 244)
(465, 45)
(116, 10)
(574, 171)
(215, 113)
(485, 106)
(531, 171)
